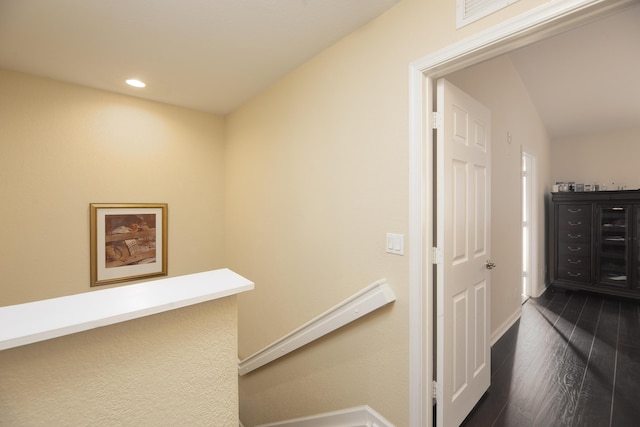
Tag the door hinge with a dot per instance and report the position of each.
(437, 120)
(434, 391)
(437, 256)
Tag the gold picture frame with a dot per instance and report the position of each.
(128, 241)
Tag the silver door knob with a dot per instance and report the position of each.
(490, 265)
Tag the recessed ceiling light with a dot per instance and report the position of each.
(135, 83)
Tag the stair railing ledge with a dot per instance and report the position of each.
(51, 318)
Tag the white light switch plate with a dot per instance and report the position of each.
(395, 243)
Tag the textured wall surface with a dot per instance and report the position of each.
(177, 368)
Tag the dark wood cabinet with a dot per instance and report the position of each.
(595, 241)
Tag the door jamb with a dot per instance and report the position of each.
(544, 21)
(532, 223)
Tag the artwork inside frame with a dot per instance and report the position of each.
(128, 241)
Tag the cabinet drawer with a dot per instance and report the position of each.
(575, 274)
(574, 226)
(570, 212)
(574, 236)
(574, 249)
(572, 262)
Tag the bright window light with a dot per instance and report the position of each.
(135, 83)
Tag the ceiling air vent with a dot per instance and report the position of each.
(468, 11)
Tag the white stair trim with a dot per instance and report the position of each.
(364, 302)
(51, 318)
(360, 416)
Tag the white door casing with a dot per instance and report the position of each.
(463, 217)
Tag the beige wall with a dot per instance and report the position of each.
(317, 173)
(64, 146)
(177, 368)
(497, 85)
(606, 158)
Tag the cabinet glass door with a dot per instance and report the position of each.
(613, 245)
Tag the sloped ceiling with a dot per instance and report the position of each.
(209, 55)
(586, 80)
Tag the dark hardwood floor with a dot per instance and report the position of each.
(573, 359)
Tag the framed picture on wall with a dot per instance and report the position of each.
(128, 241)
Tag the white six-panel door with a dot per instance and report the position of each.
(463, 238)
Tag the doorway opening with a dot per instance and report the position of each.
(529, 225)
(539, 23)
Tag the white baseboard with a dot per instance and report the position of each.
(540, 289)
(498, 333)
(360, 416)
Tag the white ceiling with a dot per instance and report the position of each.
(586, 80)
(209, 55)
(213, 55)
